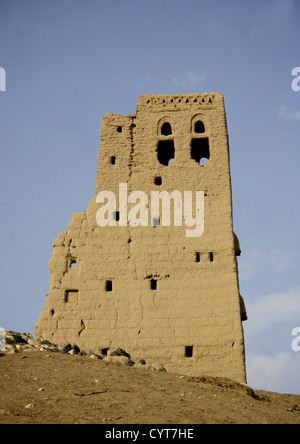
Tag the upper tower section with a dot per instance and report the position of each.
(180, 139)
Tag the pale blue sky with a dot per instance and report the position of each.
(68, 62)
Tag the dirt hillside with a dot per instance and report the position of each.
(39, 388)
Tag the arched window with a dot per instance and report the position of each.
(165, 145)
(200, 146)
(199, 127)
(166, 129)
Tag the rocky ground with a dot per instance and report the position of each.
(42, 383)
(15, 343)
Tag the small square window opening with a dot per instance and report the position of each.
(153, 284)
(189, 351)
(109, 286)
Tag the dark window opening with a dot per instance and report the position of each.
(119, 129)
(117, 216)
(166, 129)
(73, 263)
(52, 312)
(165, 151)
(189, 351)
(108, 286)
(113, 160)
(211, 257)
(153, 284)
(200, 150)
(158, 181)
(199, 127)
(197, 257)
(104, 351)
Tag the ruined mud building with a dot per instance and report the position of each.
(151, 290)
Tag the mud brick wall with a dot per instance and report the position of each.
(151, 290)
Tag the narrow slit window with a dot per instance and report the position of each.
(158, 181)
(211, 256)
(117, 216)
(165, 151)
(109, 286)
(189, 351)
(153, 284)
(200, 151)
(113, 160)
(198, 257)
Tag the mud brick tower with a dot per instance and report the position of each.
(152, 290)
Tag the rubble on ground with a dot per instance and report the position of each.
(14, 343)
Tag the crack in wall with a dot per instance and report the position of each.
(132, 145)
(82, 328)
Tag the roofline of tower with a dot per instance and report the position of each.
(180, 100)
